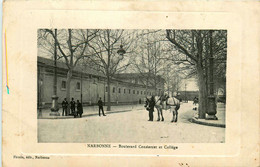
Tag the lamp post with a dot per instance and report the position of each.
(96, 83)
(186, 93)
(54, 106)
(211, 98)
(83, 68)
(121, 51)
(81, 88)
(40, 105)
(104, 92)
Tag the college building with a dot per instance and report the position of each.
(89, 85)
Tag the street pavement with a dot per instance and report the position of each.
(129, 127)
(90, 111)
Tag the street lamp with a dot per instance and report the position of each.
(40, 105)
(54, 106)
(211, 98)
(186, 93)
(104, 93)
(121, 51)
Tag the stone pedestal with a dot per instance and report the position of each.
(212, 109)
(211, 117)
(54, 106)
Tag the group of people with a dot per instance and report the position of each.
(65, 107)
(72, 106)
(162, 102)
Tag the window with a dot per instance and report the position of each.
(124, 90)
(141, 92)
(144, 92)
(114, 89)
(119, 90)
(63, 85)
(129, 91)
(133, 91)
(78, 86)
(138, 92)
(106, 89)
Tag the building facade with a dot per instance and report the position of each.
(89, 85)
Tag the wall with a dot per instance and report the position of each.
(92, 88)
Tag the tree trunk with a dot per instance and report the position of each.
(69, 75)
(155, 85)
(108, 95)
(202, 93)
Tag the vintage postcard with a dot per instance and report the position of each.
(132, 83)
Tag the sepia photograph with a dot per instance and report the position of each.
(131, 85)
(106, 83)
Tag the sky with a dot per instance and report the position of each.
(191, 85)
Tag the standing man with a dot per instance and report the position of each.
(195, 101)
(79, 109)
(64, 106)
(100, 107)
(149, 105)
(72, 106)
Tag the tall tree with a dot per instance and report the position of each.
(192, 48)
(149, 55)
(72, 47)
(106, 57)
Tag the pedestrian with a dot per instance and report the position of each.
(100, 107)
(72, 106)
(64, 107)
(174, 105)
(195, 101)
(79, 110)
(149, 104)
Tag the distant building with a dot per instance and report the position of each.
(125, 88)
(188, 95)
(152, 82)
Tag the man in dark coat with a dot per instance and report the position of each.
(149, 104)
(64, 107)
(100, 107)
(72, 106)
(79, 110)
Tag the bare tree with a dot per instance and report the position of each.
(72, 47)
(106, 57)
(191, 49)
(149, 55)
